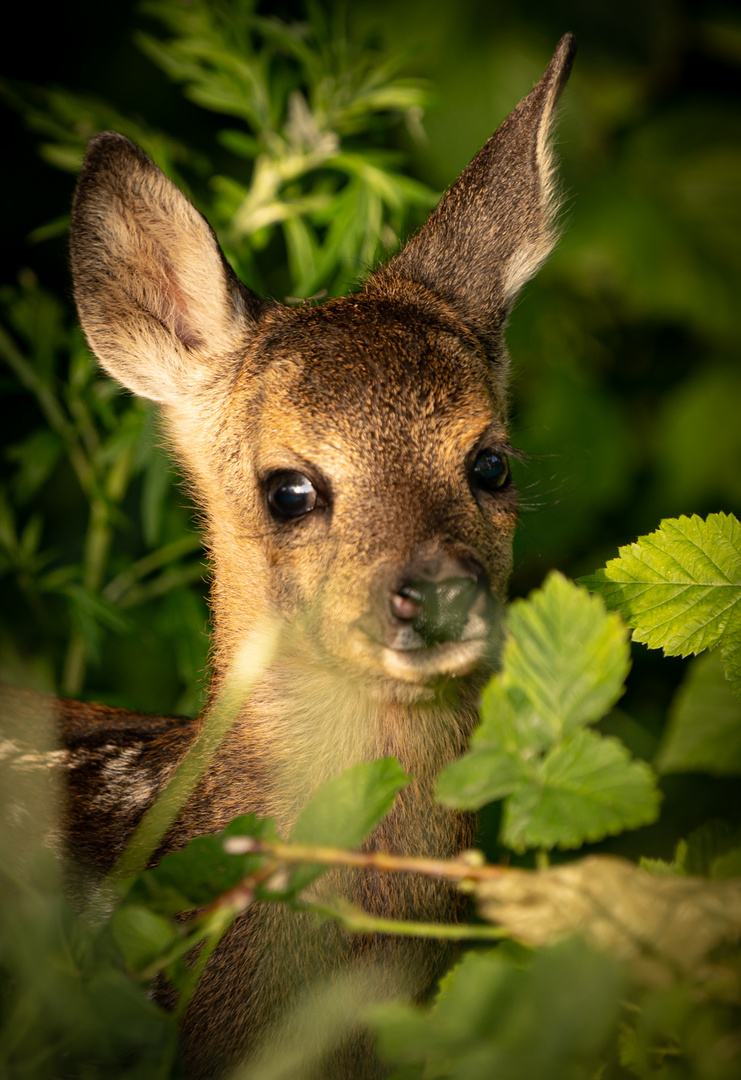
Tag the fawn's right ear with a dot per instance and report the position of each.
(161, 308)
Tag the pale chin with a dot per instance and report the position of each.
(451, 658)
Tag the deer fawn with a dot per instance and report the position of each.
(351, 460)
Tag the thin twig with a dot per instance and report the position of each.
(360, 922)
(460, 869)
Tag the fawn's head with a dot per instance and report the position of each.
(352, 458)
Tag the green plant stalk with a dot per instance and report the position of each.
(174, 578)
(249, 664)
(119, 588)
(226, 918)
(52, 410)
(99, 495)
(97, 549)
(359, 922)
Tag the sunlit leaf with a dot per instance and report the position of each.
(563, 667)
(678, 586)
(481, 777)
(565, 655)
(349, 806)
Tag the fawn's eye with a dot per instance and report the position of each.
(490, 471)
(290, 494)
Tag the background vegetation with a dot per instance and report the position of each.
(626, 385)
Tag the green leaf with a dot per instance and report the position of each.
(565, 655)
(679, 586)
(496, 1018)
(349, 806)
(583, 790)
(201, 872)
(479, 778)
(346, 809)
(563, 667)
(704, 731)
(141, 935)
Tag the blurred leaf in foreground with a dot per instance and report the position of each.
(663, 924)
(704, 732)
(494, 1018)
(347, 808)
(201, 872)
(563, 667)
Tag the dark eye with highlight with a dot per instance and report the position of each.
(490, 471)
(290, 494)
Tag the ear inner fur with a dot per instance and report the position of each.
(160, 305)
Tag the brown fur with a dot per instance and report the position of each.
(383, 399)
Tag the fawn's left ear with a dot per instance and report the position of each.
(160, 306)
(494, 228)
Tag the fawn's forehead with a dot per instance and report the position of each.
(358, 364)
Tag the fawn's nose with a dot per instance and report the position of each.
(437, 610)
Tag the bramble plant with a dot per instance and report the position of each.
(657, 971)
(586, 964)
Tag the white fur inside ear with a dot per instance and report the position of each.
(522, 266)
(529, 257)
(160, 307)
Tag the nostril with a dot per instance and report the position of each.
(407, 604)
(438, 610)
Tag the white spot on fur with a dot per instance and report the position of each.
(28, 760)
(8, 748)
(127, 786)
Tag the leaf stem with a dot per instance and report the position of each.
(360, 922)
(460, 869)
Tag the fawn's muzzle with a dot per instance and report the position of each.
(437, 610)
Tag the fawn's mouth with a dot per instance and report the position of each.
(449, 658)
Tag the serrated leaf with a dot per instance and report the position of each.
(509, 721)
(480, 778)
(677, 586)
(566, 655)
(563, 667)
(704, 730)
(583, 790)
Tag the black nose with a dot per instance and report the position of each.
(438, 610)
